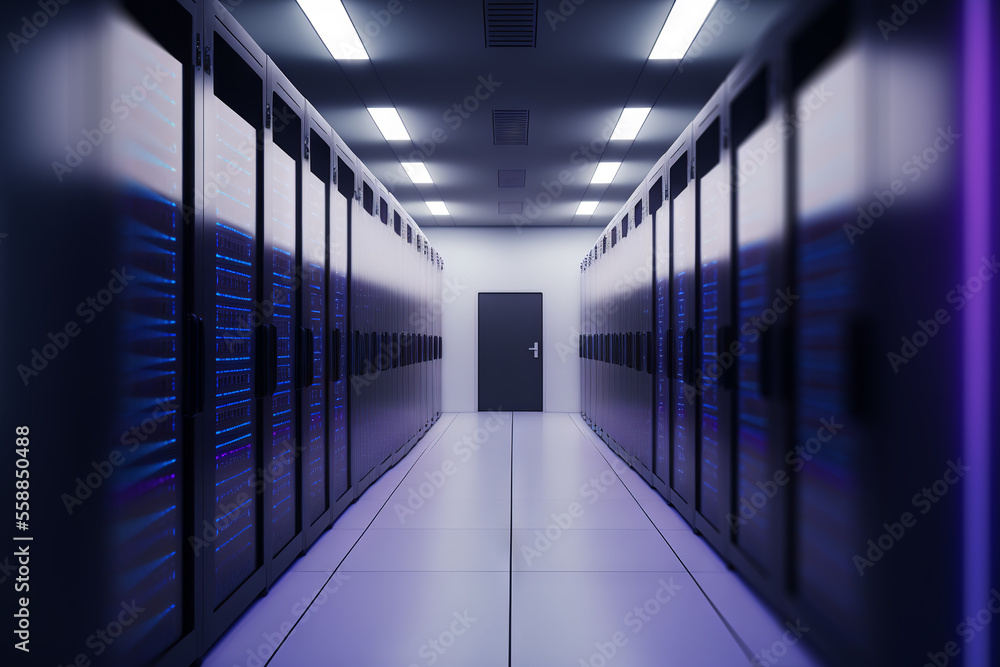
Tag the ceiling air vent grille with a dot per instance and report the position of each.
(510, 128)
(510, 23)
(510, 208)
(510, 178)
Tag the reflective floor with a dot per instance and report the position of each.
(510, 539)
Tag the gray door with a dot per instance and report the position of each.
(510, 351)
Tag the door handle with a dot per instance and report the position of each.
(534, 349)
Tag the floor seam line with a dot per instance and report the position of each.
(510, 561)
(732, 631)
(365, 530)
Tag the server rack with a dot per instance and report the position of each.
(151, 160)
(105, 247)
(216, 359)
(864, 406)
(319, 342)
(609, 267)
(153, 168)
(760, 228)
(644, 365)
(282, 276)
(826, 337)
(785, 155)
(241, 348)
(681, 325)
(657, 184)
(714, 380)
(366, 430)
(420, 302)
(343, 427)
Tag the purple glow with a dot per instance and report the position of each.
(976, 406)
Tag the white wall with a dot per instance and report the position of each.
(496, 259)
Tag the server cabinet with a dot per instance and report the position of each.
(716, 336)
(156, 167)
(826, 342)
(366, 432)
(100, 258)
(320, 343)
(627, 306)
(587, 333)
(656, 183)
(618, 423)
(644, 366)
(345, 342)
(762, 294)
(681, 361)
(605, 373)
(436, 302)
(282, 279)
(611, 392)
(241, 347)
(871, 430)
(423, 303)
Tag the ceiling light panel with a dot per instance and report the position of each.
(629, 123)
(417, 172)
(605, 172)
(437, 208)
(587, 208)
(331, 22)
(683, 23)
(389, 123)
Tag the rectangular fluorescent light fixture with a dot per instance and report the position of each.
(605, 172)
(389, 123)
(629, 123)
(683, 23)
(417, 172)
(587, 208)
(331, 22)
(437, 208)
